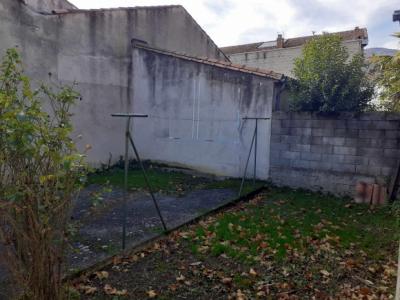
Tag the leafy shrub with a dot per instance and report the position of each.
(387, 75)
(327, 80)
(40, 171)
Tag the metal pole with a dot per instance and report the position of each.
(124, 217)
(255, 155)
(247, 164)
(398, 278)
(147, 182)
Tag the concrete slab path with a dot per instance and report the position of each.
(100, 229)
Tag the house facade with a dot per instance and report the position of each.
(279, 55)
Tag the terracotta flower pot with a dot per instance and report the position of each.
(383, 195)
(360, 192)
(376, 193)
(368, 193)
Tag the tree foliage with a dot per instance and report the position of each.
(387, 71)
(328, 80)
(40, 171)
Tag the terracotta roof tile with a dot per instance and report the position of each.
(216, 63)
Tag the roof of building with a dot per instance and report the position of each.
(77, 11)
(214, 62)
(355, 34)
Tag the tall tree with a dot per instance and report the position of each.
(328, 80)
(387, 71)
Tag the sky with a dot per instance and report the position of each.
(232, 22)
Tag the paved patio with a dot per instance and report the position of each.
(100, 229)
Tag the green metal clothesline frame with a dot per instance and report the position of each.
(129, 140)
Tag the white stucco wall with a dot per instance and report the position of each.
(48, 5)
(93, 49)
(196, 114)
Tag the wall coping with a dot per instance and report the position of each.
(368, 116)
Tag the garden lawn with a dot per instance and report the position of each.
(169, 182)
(283, 244)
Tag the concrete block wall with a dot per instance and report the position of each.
(333, 153)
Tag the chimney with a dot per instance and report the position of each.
(358, 33)
(279, 41)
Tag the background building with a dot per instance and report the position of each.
(279, 55)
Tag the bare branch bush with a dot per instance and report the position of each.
(40, 172)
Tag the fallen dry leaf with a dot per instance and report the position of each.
(325, 273)
(365, 291)
(240, 295)
(102, 275)
(226, 280)
(87, 289)
(261, 294)
(156, 246)
(134, 258)
(390, 271)
(151, 294)
(252, 272)
(180, 278)
(109, 290)
(91, 290)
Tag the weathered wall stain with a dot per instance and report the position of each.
(195, 109)
(196, 113)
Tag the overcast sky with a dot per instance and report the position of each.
(231, 22)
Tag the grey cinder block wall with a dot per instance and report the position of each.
(332, 153)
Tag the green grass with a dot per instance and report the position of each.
(170, 182)
(289, 219)
(282, 242)
(234, 184)
(159, 180)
